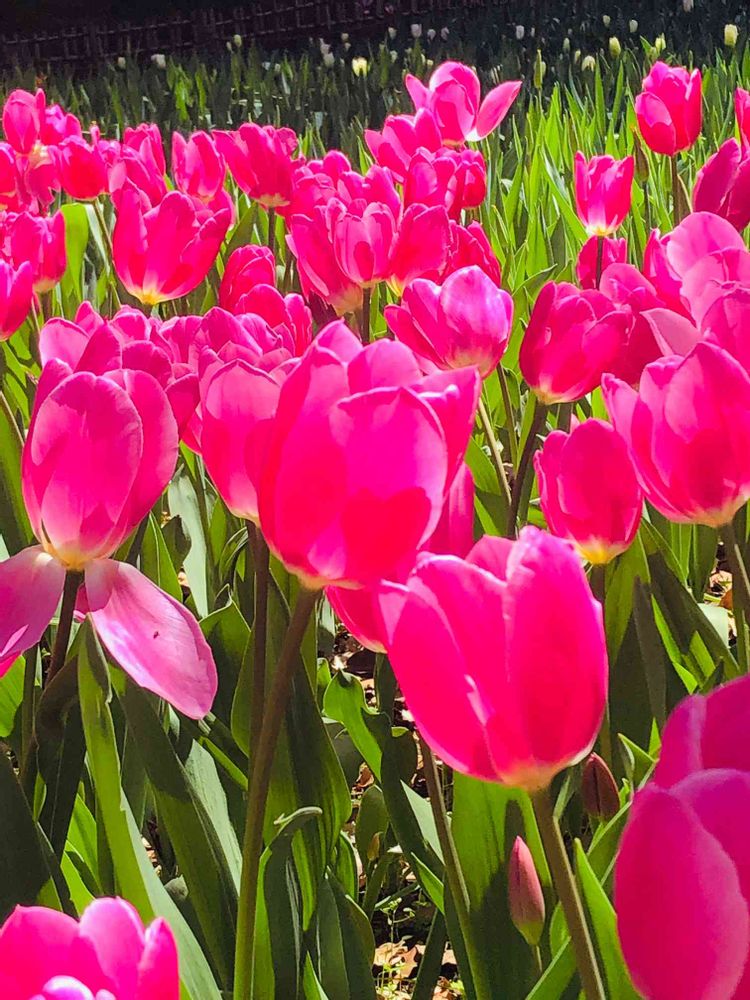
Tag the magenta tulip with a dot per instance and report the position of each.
(145, 139)
(603, 191)
(16, 293)
(108, 953)
(401, 138)
(613, 252)
(588, 489)
(260, 159)
(635, 297)
(164, 252)
(245, 268)
(474, 634)
(525, 896)
(82, 505)
(470, 245)
(723, 185)
(688, 430)
(364, 439)
(570, 341)
(40, 242)
(82, 169)
(23, 114)
(669, 108)
(465, 321)
(197, 166)
(455, 179)
(742, 111)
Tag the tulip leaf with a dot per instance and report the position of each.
(344, 946)
(76, 239)
(14, 522)
(11, 696)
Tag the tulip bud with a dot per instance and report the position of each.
(606, 20)
(329, 59)
(641, 163)
(633, 26)
(444, 33)
(588, 63)
(525, 897)
(360, 66)
(520, 32)
(566, 45)
(121, 62)
(730, 35)
(237, 39)
(431, 34)
(416, 31)
(615, 49)
(660, 44)
(540, 68)
(159, 60)
(392, 32)
(599, 790)
(687, 5)
(344, 36)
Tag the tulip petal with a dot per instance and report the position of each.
(158, 973)
(31, 584)
(154, 638)
(494, 108)
(34, 946)
(111, 930)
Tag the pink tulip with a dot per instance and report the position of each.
(23, 114)
(145, 139)
(688, 431)
(669, 108)
(16, 293)
(286, 315)
(359, 609)
(525, 896)
(421, 248)
(686, 835)
(317, 182)
(197, 166)
(245, 268)
(742, 110)
(470, 245)
(723, 185)
(260, 159)
(58, 125)
(82, 169)
(613, 252)
(10, 196)
(39, 242)
(588, 489)
(401, 138)
(603, 191)
(454, 97)
(365, 440)
(164, 252)
(48, 955)
(472, 634)
(310, 240)
(454, 179)
(362, 236)
(635, 297)
(466, 321)
(82, 505)
(129, 170)
(570, 341)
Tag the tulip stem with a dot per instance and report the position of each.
(257, 542)
(364, 321)
(598, 584)
(453, 873)
(740, 591)
(497, 458)
(271, 243)
(677, 205)
(27, 711)
(258, 788)
(537, 422)
(107, 239)
(73, 581)
(8, 414)
(509, 422)
(599, 259)
(562, 876)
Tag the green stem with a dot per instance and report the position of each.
(110, 251)
(677, 206)
(740, 591)
(364, 323)
(8, 414)
(28, 707)
(537, 422)
(509, 422)
(73, 581)
(597, 582)
(271, 243)
(497, 458)
(260, 631)
(562, 876)
(599, 259)
(252, 846)
(453, 873)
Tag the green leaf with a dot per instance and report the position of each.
(14, 522)
(11, 696)
(76, 240)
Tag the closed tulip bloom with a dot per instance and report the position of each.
(723, 185)
(570, 341)
(129, 170)
(260, 159)
(16, 291)
(525, 896)
(40, 242)
(401, 138)
(10, 197)
(742, 110)
(454, 97)
(363, 237)
(49, 955)
(145, 139)
(164, 252)
(465, 321)
(23, 114)
(320, 273)
(422, 246)
(521, 710)
(470, 245)
(82, 506)
(614, 251)
(454, 179)
(686, 835)
(245, 268)
(588, 489)
(603, 191)
(688, 430)
(198, 168)
(364, 439)
(82, 169)
(669, 108)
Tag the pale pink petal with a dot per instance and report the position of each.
(31, 584)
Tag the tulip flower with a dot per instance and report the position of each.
(401, 138)
(588, 489)
(742, 110)
(260, 160)
(466, 321)
(599, 793)
(198, 168)
(129, 170)
(48, 955)
(245, 268)
(40, 242)
(164, 252)
(603, 191)
(23, 114)
(686, 835)
(636, 298)
(146, 141)
(570, 341)
(286, 315)
(521, 708)
(82, 505)
(454, 97)
(669, 108)
(453, 179)
(454, 535)
(82, 169)
(10, 196)
(421, 248)
(613, 252)
(58, 125)
(470, 245)
(320, 273)
(365, 439)
(688, 430)
(723, 185)
(525, 896)
(16, 293)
